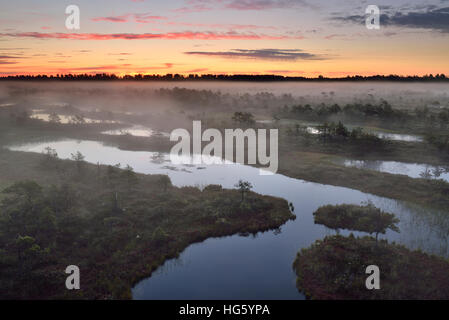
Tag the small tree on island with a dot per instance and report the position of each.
(243, 117)
(130, 175)
(51, 157)
(365, 218)
(79, 160)
(77, 119)
(244, 187)
(54, 118)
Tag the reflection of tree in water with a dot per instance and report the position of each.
(433, 226)
(431, 172)
(438, 171)
(373, 165)
(441, 221)
(427, 173)
(421, 228)
(412, 170)
(398, 168)
(172, 168)
(363, 164)
(171, 265)
(157, 158)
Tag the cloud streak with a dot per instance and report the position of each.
(193, 8)
(187, 35)
(222, 26)
(10, 59)
(264, 4)
(245, 5)
(8, 62)
(436, 19)
(264, 54)
(284, 71)
(136, 17)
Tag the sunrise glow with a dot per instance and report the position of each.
(290, 38)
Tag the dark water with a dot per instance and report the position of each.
(259, 267)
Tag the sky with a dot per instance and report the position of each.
(284, 37)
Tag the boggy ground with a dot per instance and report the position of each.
(115, 225)
(334, 268)
(301, 156)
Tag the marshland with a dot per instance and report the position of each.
(87, 180)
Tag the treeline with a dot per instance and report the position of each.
(219, 77)
(382, 110)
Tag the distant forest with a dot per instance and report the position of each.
(212, 77)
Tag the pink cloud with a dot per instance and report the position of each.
(137, 17)
(253, 4)
(333, 36)
(122, 18)
(222, 26)
(92, 69)
(187, 35)
(197, 70)
(193, 8)
(351, 73)
(285, 71)
(120, 54)
(145, 18)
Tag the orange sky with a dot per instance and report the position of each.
(295, 37)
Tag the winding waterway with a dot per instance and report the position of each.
(251, 267)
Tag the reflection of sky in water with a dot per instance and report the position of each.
(4, 105)
(414, 170)
(136, 131)
(265, 121)
(382, 135)
(399, 137)
(312, 130)
(239, 267)
(65, 119)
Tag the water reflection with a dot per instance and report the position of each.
(67, 119)
(413, 170)
(382, 135)
(399, 137)
(136, 131)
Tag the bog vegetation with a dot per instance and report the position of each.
(115, 225)
(334, 268)
(119, 226)
(364, 218)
